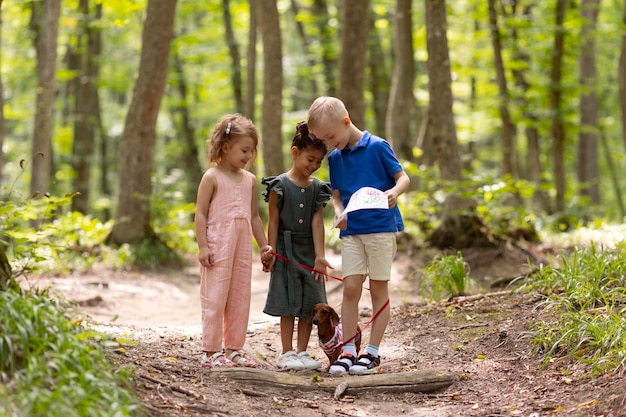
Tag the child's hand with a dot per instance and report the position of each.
(205, 256)
(269, 265)
(320, 268)
(342, 224)
(392, 198)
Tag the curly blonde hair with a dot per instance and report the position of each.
(229, 129)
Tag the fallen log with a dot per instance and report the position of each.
(427, 380)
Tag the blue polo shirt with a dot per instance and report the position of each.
(370, 163)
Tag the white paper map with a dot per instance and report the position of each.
(364, 198)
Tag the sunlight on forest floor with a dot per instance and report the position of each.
(607, 236)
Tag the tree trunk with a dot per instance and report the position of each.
(558, 127)
(2, 119)
(327, 40)
(45, 26)
(353, 58)
(304, 96)
(233, 48)
(588, 170)
(251, 62)
(132, 220)
(190, 157)
(379, 76)
(459, 227)
(401, 100)
(271, 117)
(509, 154)
(534, 167)
(85, 111)
(5, 269)
(621, 76)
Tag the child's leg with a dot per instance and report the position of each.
(305, 327)
(213, 290)
(238, 303)
(352, 289)
(286, 332)
(379, 291)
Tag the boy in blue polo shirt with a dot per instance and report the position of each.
(361, 159)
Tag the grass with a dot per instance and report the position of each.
(446, 276)
(586, 297)
(53, 365)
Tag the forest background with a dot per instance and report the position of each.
(509, 115)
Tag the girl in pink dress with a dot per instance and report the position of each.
(226, 219)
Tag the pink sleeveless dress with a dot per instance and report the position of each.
(225, 285)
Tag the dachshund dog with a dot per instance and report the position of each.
(330, 332)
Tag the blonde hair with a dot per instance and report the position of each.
(229, 129)
(326, 109)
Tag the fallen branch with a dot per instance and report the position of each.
(413, 381)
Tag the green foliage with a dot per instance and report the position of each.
(446, 276)
(587, 298)
(52, 365)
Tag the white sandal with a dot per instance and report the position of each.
(242, 361)
(216, 360)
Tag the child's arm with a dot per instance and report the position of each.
(402, 184)
(206, 190)
(338, 208)
(257, 224)
(317, 226)
(272, 227)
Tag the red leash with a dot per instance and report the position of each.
(308, 268)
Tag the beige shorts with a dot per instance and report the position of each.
(370, 254)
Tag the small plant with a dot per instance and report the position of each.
(51, 364)
(446, 276)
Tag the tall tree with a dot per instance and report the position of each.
(304, 96)
(558, 125)
(132, 219)
(45, 28)
(251, 62)
(534, 166)
(353, 58)
(233, 48)
(86, 107)
(401, 107)
(459, 227)
(621, 76)
(588, 170)
(379, 79)
(271, 117)
(2, 120)
(327, 40)
(509, 153)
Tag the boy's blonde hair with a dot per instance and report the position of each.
(229, 129)
(326, 109)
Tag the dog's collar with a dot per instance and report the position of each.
(330, 333)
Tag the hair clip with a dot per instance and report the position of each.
(228, 128)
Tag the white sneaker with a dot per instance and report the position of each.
(289, 360)
(308, 361)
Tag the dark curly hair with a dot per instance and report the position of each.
(303, 140)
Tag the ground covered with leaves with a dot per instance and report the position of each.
(484, 342)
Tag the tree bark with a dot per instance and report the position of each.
(353, 58)
(379, 79)
(5, 269)
(190, 156)
(271, 117)
(233, 48)
(45, 26)
(588, 170)
(251, 62)
(621, 76)
(86, 107)
(401, 107)
(327, 40)
(304, 96)
(534, 167)
(460, 227)
(509, 152)
(558, 127)
(428, 380)
(132, 220)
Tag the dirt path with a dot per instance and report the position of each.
(483, 342)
